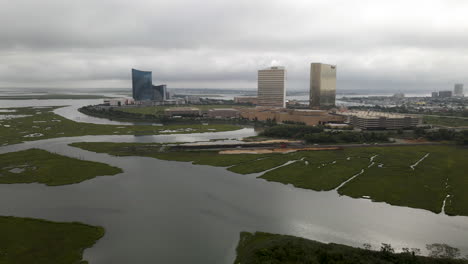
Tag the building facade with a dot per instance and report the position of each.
(159, 92)
(458, 89)
(280, 115)
(445, 94)
(322, 85)
(192, 99)
(271, 87)
(142, 86)
(246, 100)
(119, 101)
(381, 120)
(223, 113)
(182, 111)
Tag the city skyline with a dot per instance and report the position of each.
(217, 131)
(223, 44)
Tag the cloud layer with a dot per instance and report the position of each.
(376, 44)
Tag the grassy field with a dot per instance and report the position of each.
(445, 121)
(242, 164)
(159, 110)
(35, 165)
(387, 178)
(266, 248)
(154, 150)
(42, 123)
(27, 241)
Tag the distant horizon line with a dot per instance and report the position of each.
(339, 91)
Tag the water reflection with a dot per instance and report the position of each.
(174, 212)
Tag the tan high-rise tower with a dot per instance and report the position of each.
(271, 87)
(322, 85)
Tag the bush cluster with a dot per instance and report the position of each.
(346, 137)
(291, 131)
(460, 137)
(276, 249)
(317, 134)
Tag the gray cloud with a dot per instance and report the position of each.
(217, 43)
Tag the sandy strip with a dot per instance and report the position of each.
(268, 151)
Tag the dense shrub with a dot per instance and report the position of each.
(265, 248)
(346, 137)
(460, 137)
(316, 134)
(291, 131)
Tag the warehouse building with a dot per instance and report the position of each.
(281, 115)
(182, 111)
(445, 94)
(223, 113)
(379, 120)
(246, 100)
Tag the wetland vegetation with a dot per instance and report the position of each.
(36, 165)
(27, 240)
(156, 114)
(426, 177)
(317, 134)
(266, 248)
(41, 123)
(447, 121)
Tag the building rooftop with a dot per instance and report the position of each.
(310, 110)
(223, 109)
(275, 68)
(374, 115)
(181, 109)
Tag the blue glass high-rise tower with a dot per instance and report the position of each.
(159, 92)
(142, 86)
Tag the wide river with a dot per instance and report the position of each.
(175, 212)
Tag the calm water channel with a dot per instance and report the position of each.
(175, 212)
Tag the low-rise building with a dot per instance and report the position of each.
(192, 99)
(223, 113)
(380, 120)
(296, 104)
(119, 101)
(445, 94)
(280, 115)
(246, 100)
(182, 111)
(175, 101)
(338, 126)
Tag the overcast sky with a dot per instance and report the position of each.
(376, 44)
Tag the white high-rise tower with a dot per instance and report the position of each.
(271, 87)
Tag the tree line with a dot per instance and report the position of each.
(460, 137)
(275, 249)
(317, 134)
